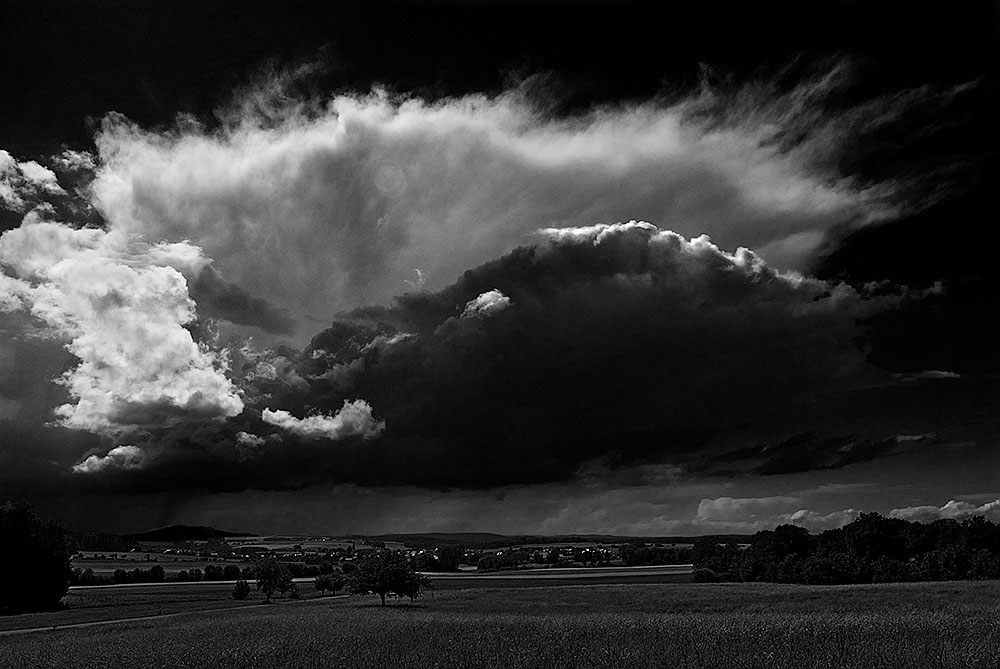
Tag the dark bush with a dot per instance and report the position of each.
(241, 590)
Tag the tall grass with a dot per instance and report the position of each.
(913, 627)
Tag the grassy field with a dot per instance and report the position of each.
(676, 625)
(93, 604)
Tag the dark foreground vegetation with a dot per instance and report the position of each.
(34, 560)
(750, 625)
(872, 549)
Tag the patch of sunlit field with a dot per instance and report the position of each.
(703, 625)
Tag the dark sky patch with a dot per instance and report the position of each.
(218, 298)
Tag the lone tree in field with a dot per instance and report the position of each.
(384, 572)
(34, 561)
(272, 576)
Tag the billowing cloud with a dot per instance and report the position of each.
(348, 195)
(75, 161)
(250, 440)
(487, 304)
(572, 348)
(353, 419)
(953, 509)
(625, 343)
(26, 184)
(121, 306)
(118, 458)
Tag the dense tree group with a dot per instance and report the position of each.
(36, 547)
(872, 549)
(444, 558)
(385, 572)
(328, 582)
(640, 554)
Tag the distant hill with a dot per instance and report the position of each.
(442, 538)
(177, 533)
(99, 541)
(489, 540)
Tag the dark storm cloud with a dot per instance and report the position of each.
(615, 345)
(601, 347)
(810, 451)
(217, 298)
(956, 328)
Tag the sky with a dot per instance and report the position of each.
(661, 268)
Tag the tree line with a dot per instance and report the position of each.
(156, 574)
(871, 549)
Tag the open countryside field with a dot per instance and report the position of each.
(89, 604)
(675, 625)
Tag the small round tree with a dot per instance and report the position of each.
(384, 572)
(272, 576)
(241, 590)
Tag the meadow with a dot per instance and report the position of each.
(671, 625)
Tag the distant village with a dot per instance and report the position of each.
(233, 557)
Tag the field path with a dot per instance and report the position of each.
(94, 623)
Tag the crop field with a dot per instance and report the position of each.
(672, 625)
(544, 578)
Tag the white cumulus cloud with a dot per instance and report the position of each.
(75, 161)
(121, 305)
(353, 419)
(248, 439)
(953, 509)
(486, 304)
(119, 457)
(23, 184)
